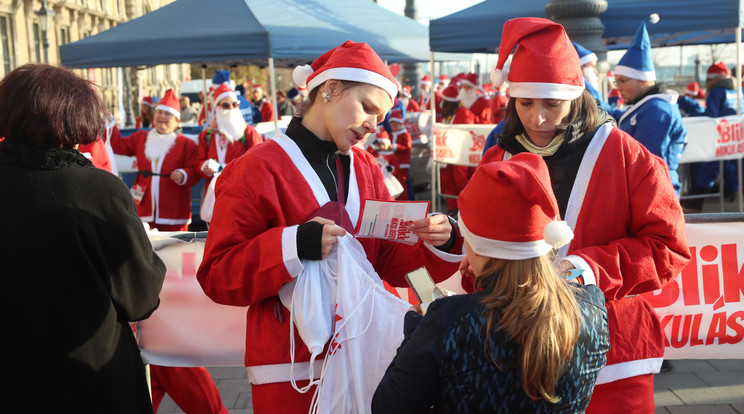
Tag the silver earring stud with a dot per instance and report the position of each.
(325, 96)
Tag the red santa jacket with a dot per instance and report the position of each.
(208, 150)
(163, 202)
(480, 112)
(629, 237)
(413, 106)
(402, 144)
(251, 248)
(267, 110)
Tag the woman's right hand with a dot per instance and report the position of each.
(331, 233)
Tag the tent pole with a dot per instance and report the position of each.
(432, 121)
(204, 90)
(273, 96)
(738, 112)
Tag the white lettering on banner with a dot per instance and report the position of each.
(418, 126)
(713, 139)
(460, 144)
(702, 310)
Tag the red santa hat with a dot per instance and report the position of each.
(396, 115)
(717, 69)
(257, 86)
(170, 103)
(519, 192)
(693, 91)
(470, 78)
(147, 100)
(444, 79)
(450, 93)
(224, 91)
(406, 91)
(350, 62)
(425, 80)
(545, 64)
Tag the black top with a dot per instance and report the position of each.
(77, 267)
(442, 362)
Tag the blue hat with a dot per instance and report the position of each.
(636, 63)
(585, 55)
(220, 77)
(293, 93)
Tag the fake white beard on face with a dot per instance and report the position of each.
(591, 77)
(404, 101)
(467, 97)
(157, 145)
(231, 123)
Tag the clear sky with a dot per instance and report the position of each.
(429, 9)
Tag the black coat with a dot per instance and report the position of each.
(77, 267)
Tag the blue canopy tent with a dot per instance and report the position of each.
(249, 32)
(477, 29)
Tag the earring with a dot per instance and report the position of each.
(325, 96)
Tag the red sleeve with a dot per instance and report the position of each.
(98, 154)
(252, 137)
(202, 153)
(403, 143)
(125, 145)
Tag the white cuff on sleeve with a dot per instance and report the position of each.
(579, 263)
(185, 176)
(289, 251)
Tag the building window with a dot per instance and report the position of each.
(64, 36)
(37, 41)
(6, 45)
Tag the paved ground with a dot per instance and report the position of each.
(691, 387)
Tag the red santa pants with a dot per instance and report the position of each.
(281, 398)
(191, 388)
(401, 174)
(630, 395)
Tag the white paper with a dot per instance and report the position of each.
(391, 220)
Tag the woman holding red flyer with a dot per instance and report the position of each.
(289, 199)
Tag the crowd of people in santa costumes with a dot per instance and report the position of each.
(720, 100)
(261, 102)
(147, 110)
(401, 144)
(597, 171)
(292, 197)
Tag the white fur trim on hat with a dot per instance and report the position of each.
(502, 249)
(591, 57)
(537, 90)
(635, 73)
(228, 94)
(167, 108)
(355, 75)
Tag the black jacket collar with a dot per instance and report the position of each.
(28, 155)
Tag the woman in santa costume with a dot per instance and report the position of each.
(614, 194)
(162, 191)
(290, 198)
(166, 163)
(527, 341)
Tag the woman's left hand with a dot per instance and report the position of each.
(435, 229)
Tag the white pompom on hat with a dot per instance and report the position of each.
(350, 61)
(519, 193)
(545, 64)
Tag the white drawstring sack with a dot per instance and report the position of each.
(395, 188)
(368, 327)
(207, 205)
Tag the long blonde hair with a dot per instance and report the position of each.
(538, 312)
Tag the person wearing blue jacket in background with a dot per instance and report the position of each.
(720, 101)
(588, 61)
(653, 119)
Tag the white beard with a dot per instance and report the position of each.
(591, 78)
(404, 101)
(467, 98)
(157, 145)
(230, 123)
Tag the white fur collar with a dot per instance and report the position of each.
(157, 145)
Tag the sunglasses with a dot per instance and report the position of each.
(229, 105)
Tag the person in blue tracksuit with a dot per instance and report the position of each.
(653, 119)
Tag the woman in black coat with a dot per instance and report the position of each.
(77, 265)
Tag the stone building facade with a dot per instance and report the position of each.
(22, 41)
